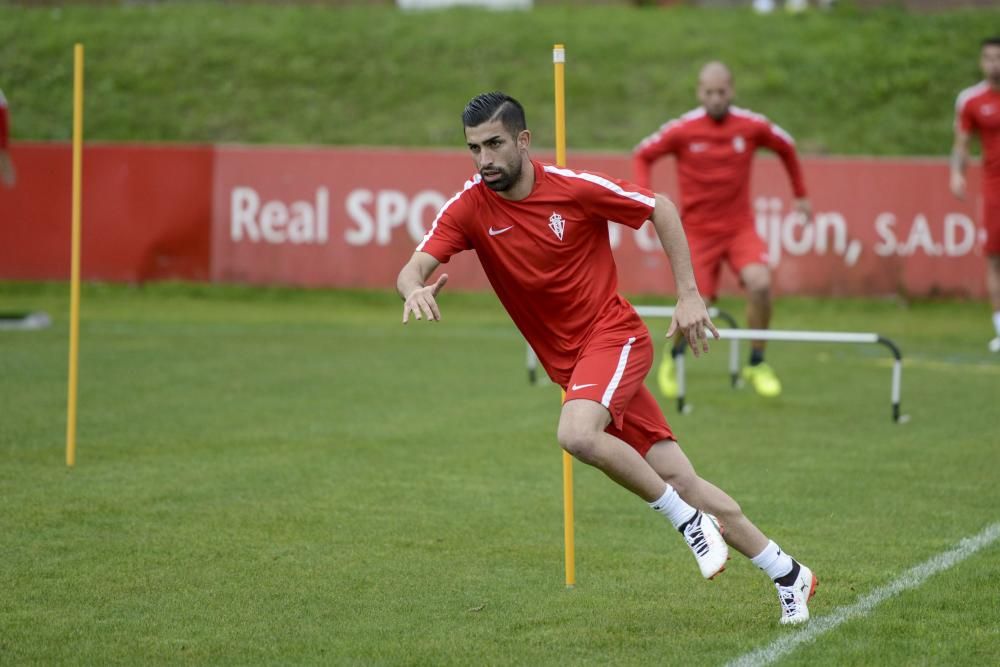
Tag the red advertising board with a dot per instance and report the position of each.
(145, 211)
(351, 217)
(346, 218)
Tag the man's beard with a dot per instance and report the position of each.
(718, 115)
(506, 181)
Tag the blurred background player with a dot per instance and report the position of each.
(8, 177)
(7, 174)
(714, 147)
(977, 110)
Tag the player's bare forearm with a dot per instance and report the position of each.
(959, 156)
(690, 315)
(411, 277)
(960, 151)
(667, 222)
(419, 299)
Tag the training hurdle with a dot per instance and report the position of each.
(734, 335)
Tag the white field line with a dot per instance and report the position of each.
(909, 579)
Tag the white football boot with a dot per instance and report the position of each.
(703, 534)
(795, 598)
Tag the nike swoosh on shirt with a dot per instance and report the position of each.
(494, 232)
(582, 386)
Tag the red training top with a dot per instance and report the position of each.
(977, 110)
(713, 164)
(548, 256)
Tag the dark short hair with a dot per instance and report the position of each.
(991, 41)
(495, 106)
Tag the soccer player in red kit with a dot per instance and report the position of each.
(714, 147)
(541, 235)
(978, 111)
(7, 175)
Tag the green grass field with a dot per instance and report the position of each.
(292, 477)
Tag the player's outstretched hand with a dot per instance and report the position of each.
(691, 318)
(804, 207)
(421, 302)
(957, 183)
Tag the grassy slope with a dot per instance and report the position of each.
(845, 82)
(290, 477)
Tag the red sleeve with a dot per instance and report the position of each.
(446, 237)
(964, 118)
(662, 142)
(608, 198)
(779, 141)
(4, 124)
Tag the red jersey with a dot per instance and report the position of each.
(713, 164)
(548, 256)
(977, 110)
(4, 123)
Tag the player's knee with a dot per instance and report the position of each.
(578, 441)
(757, 280)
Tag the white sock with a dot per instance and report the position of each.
(775, 562)
(673, 507)
(996, 321)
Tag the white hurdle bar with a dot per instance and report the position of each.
(822, 337)
(531, 361)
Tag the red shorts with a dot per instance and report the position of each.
(991, 221)
(738, 248)
(612, 372)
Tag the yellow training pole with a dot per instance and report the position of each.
(559, 62)
(568, 517)
(74, 299)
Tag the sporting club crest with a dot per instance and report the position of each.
(557, 225)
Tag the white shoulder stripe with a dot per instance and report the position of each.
(603, 182)
(967, 94)
(468, 184)
(780, 131)
(670, 124)
(753, 115)
(694, 113)
(746, 113)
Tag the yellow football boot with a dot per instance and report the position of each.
(666, 376)
(763, 380)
